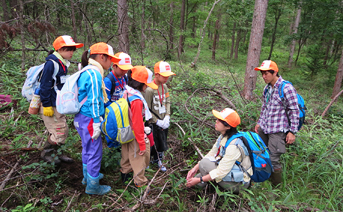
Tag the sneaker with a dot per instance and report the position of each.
(160, 165)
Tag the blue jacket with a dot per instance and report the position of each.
(118, 89)
(89, 84)
(47, 91)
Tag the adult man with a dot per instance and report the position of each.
(279, 120)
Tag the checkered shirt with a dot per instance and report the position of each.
(273, 118)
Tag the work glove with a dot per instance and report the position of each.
(159, 123)
(96, 131)
(166, 122)
(48, 111)
(101, 119)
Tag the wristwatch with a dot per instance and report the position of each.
(201, 181)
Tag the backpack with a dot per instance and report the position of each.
(301, 104)
(67, 99)
(32, 81)
(116, 123)
(113, 81)
(258, 154)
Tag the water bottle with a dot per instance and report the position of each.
(35, 102)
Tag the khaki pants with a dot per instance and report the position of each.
(276, 144)
(56, 125)
(132, 161)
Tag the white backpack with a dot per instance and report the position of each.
(67, 99)
(32, 83)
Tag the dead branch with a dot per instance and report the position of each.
(213, 202)
(70, 202)
(296, 208)
(12, 170)
(19, 149)
(195, 146)
(332, 101)
(203, 34)
(173, 169)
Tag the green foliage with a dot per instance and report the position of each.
(25, 208)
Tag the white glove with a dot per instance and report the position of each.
(96, 131)
(159, 123)
(147, 130)
(101, 119)
(166, 122)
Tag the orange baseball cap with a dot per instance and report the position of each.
(125, 61)
(229, 116)
(144, 75)
(65, 40)
(103, 48)
(163, 68)
(267, 65)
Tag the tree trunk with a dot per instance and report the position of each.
(123, 26)
(73, 20)
(339, 77)
(143, 26)
(182, 27)
(238, 38)
(171, 26)
(5, 11)
(22, 34)
(215, 40)
(14, 8)
(277, 18)
(233, 39)
(254, 50)
(193, 27)
(292, 47)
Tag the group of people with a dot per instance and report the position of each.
(149, 100)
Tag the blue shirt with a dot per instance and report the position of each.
(118, 91)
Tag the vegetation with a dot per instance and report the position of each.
(313, 166)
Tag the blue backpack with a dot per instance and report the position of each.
(301, 104)
(258, 153)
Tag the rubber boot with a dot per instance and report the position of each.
(276, 178)
(93, 186)
(125, 178)
(49, 154)
(65, 158)
(84, 169)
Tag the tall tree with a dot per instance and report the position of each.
(254, 50)
(339, 77)
(295, 30)
(123, 26)
(216, 32)
(73, 20)
(171, 26)
(277, 8)
(5, 10)
(182, 27)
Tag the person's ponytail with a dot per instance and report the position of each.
(50, 52)
(84, 58)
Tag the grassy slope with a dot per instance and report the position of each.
(313, 166)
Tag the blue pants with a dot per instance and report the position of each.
(91, 149)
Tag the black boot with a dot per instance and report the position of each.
(125, 178)
(49, 154)
(276, 178)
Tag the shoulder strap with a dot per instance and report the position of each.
(237, 135)
(113, 81)
(155, 114)
(282, 96)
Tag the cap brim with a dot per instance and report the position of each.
(125, 67)
(114, 58)
(217, 115)
(167, 74)
(261, 69)
(152, 85)
(77, 45)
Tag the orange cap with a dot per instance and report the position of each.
(65, 40)
(163, 68)
(125, 61)
(144, 75)
(229, 116)
(103, 48)
(267, 65)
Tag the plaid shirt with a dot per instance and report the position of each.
(273, 118)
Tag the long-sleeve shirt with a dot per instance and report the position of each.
(137, 122)
(154, 98)
(273, 118)
(232, 154)
(118, 90)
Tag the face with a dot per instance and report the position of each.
(66, 54)
(268, 77)
(105, 61)
(118, 71)
(160, 78)
(144, 87)
(220, 127)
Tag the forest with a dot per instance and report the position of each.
(213, 47)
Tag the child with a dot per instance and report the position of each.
(87, 121)
(220, 163)
(55, 122)
(136, 154)
(159, 103)
(115, 83)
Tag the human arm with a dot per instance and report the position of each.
(195, 180)
(137, 123)
(46, 84)
(292, 110)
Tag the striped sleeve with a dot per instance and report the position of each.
(291, 101)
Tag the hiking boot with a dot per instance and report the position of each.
(93, 186)
(125, 178)
(160, 165)
(84, 169)
(65, 158)
(276, 178)
(50, 156)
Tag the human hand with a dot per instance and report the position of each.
(159, 123)
(290, 138)
(191, 173)
(142, 152)
(48, 111)
(256, 128)
(166, 122)
(96, 130)
(192, 182)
